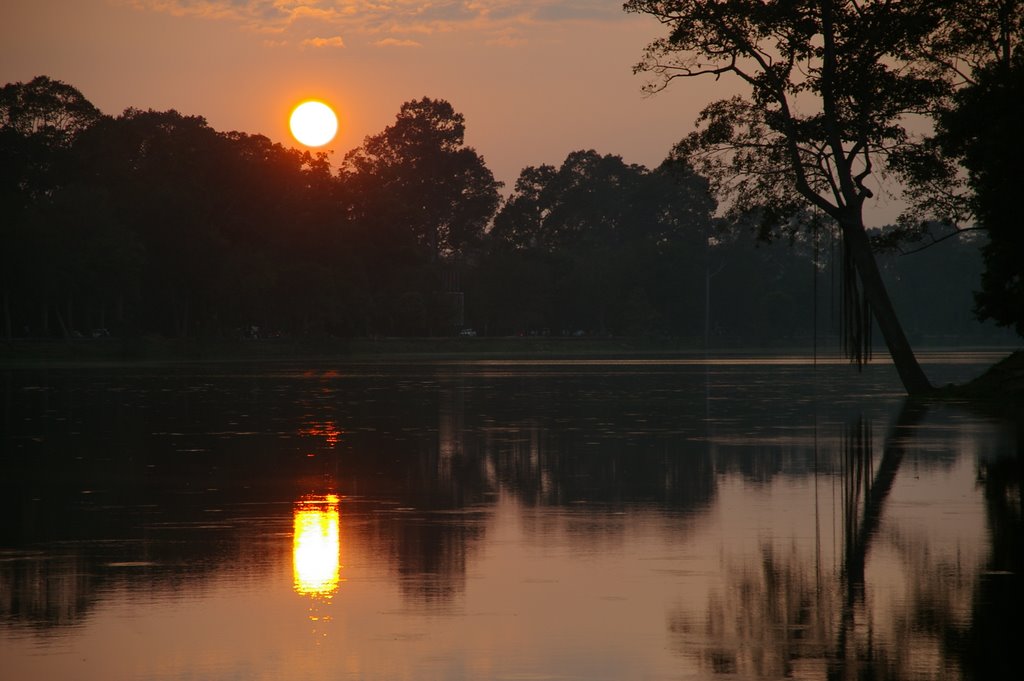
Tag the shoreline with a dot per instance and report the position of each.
(159, 351)
(153, 350)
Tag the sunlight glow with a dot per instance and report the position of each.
(316, 548)
(327, 430)
(313, 123)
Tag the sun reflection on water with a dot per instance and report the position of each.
(316, 548)
(327, 430)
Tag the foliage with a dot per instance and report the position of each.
(417, 178)
(977, 131)
(969, 37)
(152, 222)
(45, 111)
(992, 154)
(39, 121)
(832, 85)
(616, 247)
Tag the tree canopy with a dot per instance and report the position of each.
(993, 155)
(833, 85)
(153, 223)
(445, 193)
(618, 247)
(978, 131)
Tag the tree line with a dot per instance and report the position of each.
(152, 222)
(837, 93)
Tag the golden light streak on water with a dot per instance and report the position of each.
(327, 430)
(316, 547)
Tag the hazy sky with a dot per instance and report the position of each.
(535, 79)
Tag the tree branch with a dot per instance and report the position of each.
(957, 231)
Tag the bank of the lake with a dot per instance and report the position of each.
(152, 349)
(1002, 383)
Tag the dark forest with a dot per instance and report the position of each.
(153, 223)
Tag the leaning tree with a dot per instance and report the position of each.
(833, 86)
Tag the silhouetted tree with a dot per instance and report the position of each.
(831, 82)
(976, 48)
(39, 121)
(417, 202)
(980, 131)
(283, 230)
(163, 172)
(985, 131)
(47, 114)
(426, 183)
(225, 220)
(610, 242)
(153, 222)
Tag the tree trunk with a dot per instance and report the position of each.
(914, 380)
(7, 316)
(64, 330)
(70, 317)
(184, 320)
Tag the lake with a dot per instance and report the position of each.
(753, 518)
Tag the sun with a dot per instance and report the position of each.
(313, 123)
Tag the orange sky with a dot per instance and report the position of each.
(535, 79)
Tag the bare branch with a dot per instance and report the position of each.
(957, 231)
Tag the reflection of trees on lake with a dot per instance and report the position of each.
(171, 460)
(49, 591)
(771, 620)
(427, 552)
(193, 474)
(122, 551)
(159, 450)
(552, 446)
(904, 596)
(991, 646)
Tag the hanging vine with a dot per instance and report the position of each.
(855, 316)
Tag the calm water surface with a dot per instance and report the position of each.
(754, 519)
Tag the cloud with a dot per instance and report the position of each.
(507, 40)
(210, 9)
(498, 22)
(395, 42)
(333, 41)
(326, 15)
(577, 10)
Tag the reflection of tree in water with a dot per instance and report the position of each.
(429, 490)
(59, 586)
(771, 619)
(780, 615)
(160, 449)
(41, 593)
(446, 476)
(543, 467)
(605, 438)
(427, 552)
(435, 452)
(991, 648)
